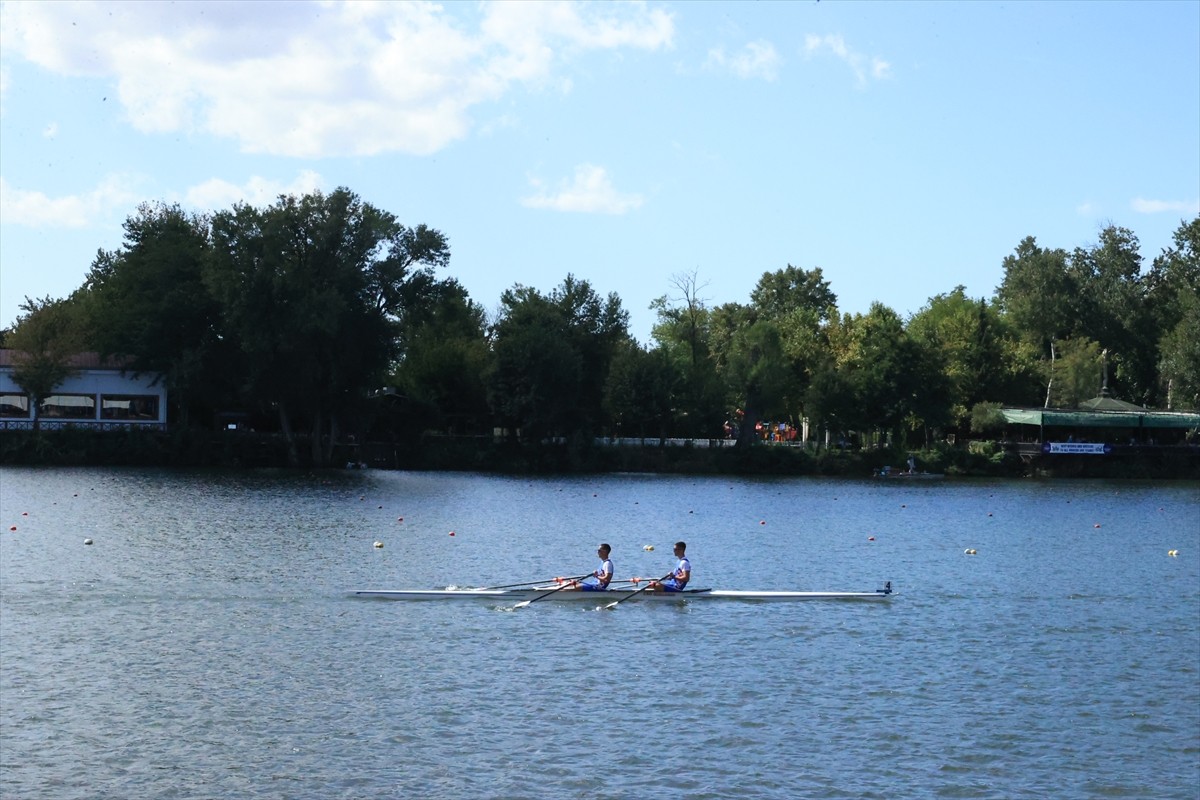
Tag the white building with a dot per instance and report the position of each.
(98, 393)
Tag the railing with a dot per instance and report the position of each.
(79, 424)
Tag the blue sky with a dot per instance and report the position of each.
(903, 148)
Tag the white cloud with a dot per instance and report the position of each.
(589, 191)
(216, 194)
(756, 60)
(1143, 206)
(34, 209)
(864, 67)
(309, 79)
(50, 131)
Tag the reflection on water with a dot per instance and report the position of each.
(205, 644)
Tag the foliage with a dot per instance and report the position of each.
(311, 289)
(551, 358)
(147, 302)
(639, 392)
(683, 336)
(46, 335)
(440, 373)
(326, 314)
(1077, 372)
(986, 418)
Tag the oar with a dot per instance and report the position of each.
(615, 603)
(513, 585)
(566, 582)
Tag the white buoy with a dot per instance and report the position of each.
(87, 541)
(648, 547)
(378, 545)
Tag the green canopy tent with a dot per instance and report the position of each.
(1102, 412)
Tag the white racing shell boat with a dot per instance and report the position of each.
(549, 593)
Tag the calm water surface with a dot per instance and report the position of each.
(205, 645)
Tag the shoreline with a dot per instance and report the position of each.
(201, 448)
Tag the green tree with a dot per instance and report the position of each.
(879, 378)
(1039, 298)
(1173, 296)
(683, 334)
(312, 289)
(1078, 372)
(43, 340)
(639, 395)
(1113, 311)
(757, 374)
(147, 302)
(779, 293)
(798, 303)
(1180, 354)
(965, 337)
(443, 360)
(551, 358)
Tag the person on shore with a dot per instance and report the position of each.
(679, 576)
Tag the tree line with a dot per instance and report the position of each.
(328, 317)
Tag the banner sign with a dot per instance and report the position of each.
(1077, 448)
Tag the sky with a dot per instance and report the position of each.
(904, 148)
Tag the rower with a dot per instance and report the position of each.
(680, 576)
(603, 574)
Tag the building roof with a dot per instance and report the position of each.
(78, 361)
(1105, 403)
(1102, 419)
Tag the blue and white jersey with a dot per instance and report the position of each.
(683, 570)
(602, 576)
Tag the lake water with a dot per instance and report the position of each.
(206, 646)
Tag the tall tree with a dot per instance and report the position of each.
(443, 357)
(1078, 372)
(46, 334)
(965, 337)
(1113, 311)
(311, 288)
(551, 358)
(879, 377)
(683, 333)
(148, 303)
(781, 292)
(1173, 296)
(1039, 297)
(798, 303)
(639, 395)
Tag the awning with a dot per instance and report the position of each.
(1176, 420)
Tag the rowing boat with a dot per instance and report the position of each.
(548, 593)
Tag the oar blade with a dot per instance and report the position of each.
(522, 604)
